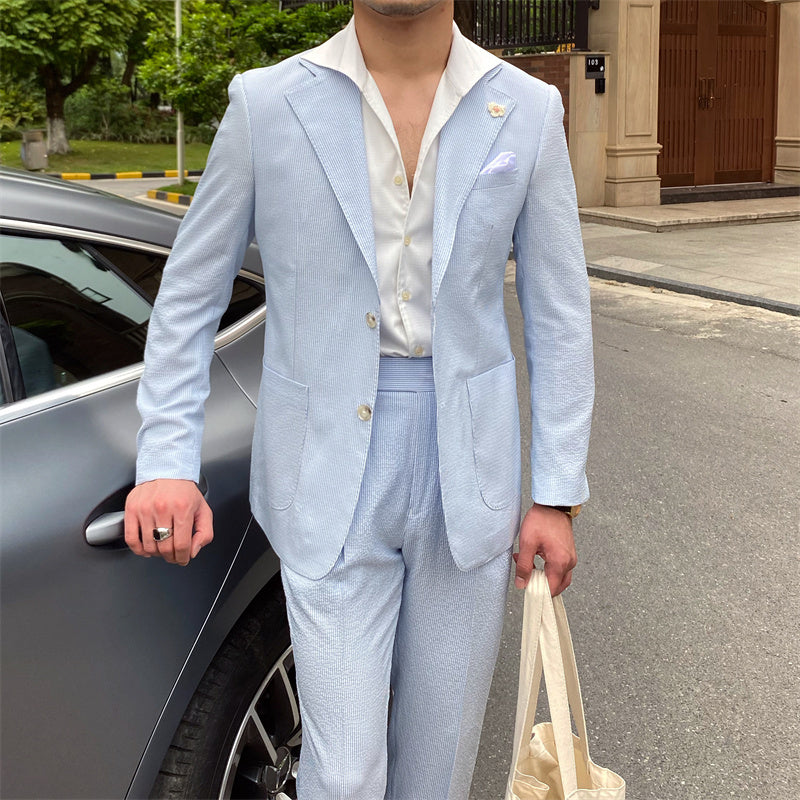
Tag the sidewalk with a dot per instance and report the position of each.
(745, 251)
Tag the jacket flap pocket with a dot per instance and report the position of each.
(279, 436)
(495, 434)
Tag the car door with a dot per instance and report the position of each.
(93, 637)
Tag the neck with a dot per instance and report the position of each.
(405, 47)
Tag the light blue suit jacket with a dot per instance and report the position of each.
(288, 166)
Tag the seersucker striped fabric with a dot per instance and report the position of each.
(397, 374)
(395, 609)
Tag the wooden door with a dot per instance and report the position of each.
(716, 103)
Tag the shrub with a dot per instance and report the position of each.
(104, 111)
(21, 106)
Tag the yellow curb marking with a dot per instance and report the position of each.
(129, 174)
(171, 197)
(76, 176)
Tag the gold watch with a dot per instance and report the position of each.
(570, 511)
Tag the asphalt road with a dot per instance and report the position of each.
(685, 603)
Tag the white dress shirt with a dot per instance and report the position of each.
(403, 223)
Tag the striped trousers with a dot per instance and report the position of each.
(395, 647)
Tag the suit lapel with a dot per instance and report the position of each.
(329, 109)
(464, 144)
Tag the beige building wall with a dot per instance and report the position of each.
(628, 29)
(787, 134)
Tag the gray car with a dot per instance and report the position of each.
(123, 676)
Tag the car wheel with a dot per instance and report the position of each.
(240, 735)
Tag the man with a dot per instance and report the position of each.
(384, 175)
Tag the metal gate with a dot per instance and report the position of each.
(501, 24)
(716, 95)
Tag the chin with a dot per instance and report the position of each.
(400, 8)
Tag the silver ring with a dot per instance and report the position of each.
(160, 534)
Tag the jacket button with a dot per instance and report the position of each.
(365, 413)
(372, 322)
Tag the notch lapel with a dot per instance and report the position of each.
(464, 144)
(329, 109)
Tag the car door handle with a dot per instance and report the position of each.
(106, 529)
(110, 528)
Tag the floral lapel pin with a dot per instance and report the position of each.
(496, 110)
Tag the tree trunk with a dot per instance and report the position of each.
(56, 92)
(127, 75)
(57, 141)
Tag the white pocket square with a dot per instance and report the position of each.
(503, 162)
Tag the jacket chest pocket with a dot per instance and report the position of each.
(495, 180)
(279, 436)
(495, 434)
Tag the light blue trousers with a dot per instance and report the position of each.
(395, 611)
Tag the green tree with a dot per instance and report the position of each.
(152, 15)
(223, 37)
(58, 43)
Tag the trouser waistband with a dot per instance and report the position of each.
(397, 374)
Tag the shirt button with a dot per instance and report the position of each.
(365, 413)
(405, 295)
(407, 241)
(418, 351)
(371, 320)
(398, 179)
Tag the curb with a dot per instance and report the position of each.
(642, 279)
(170, 197)
(662, 226)
(96, 176)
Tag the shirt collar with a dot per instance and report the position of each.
(466, 65)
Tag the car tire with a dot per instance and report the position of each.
(240, 734)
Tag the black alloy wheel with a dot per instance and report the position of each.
(240, 735)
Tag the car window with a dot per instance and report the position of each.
(71, 317)
(139, 266)
(145, 270)
(11, 384)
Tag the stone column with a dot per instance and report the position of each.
(787, 133)
(588, 131)
(628, 29)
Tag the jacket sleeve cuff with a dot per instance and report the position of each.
(153, 466)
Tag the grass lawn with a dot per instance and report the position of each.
(181, 188)
(112, 157)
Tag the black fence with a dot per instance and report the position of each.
(288, 5)
(511, 24)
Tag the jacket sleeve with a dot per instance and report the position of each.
(195, 291)
(553, 290)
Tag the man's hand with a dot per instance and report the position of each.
(546, 532)
(167, 503)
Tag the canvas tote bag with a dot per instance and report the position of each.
(550, 762)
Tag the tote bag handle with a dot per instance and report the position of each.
(547, 647)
